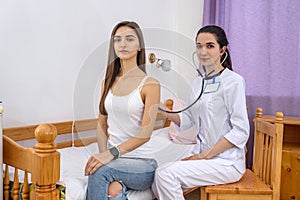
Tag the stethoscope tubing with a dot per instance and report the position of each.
(179, 111)
(204, 77)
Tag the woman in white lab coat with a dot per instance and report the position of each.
(221, 120)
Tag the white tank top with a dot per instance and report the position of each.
(125, 118)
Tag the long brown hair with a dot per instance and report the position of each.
(114, 65)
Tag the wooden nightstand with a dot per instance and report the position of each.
(290, 167)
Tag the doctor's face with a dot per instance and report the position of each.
(126, 43)
(208, 50)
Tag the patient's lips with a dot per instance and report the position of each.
(123, 51)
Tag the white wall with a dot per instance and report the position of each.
(52, 52)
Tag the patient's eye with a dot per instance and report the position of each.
(130, 38)
(117, 39)
(198, 46)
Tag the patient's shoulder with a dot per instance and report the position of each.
(151, 80)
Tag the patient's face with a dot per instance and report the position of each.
(126, 43)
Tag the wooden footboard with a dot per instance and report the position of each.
(42, 162)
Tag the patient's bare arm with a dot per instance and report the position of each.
(102, 134)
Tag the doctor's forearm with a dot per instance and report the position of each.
(174, 118)
(218, 148)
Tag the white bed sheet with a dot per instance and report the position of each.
(73, 161)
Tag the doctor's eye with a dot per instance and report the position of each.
(210, 46)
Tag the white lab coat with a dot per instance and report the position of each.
(220, 112)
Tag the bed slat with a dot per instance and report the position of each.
(25, 193)
(16, 186)
(6, 183)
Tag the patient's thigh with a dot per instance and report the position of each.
(135, 173)
(133, 165)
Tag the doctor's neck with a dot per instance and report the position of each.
(213, 70)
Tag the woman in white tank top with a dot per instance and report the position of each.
(127, 112)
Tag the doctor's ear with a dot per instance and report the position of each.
(223, 50)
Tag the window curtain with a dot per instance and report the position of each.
(264, 42)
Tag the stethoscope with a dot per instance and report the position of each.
(166, 66)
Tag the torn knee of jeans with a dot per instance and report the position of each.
(115, 188)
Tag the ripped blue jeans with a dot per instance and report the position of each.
(132, 173)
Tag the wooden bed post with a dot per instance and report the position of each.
(169, 104)
(45, 164)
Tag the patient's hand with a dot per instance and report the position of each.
(96, 161)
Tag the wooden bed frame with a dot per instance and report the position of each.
(43, 160)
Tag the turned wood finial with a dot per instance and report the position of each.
(45, 134)
(279, 116)
(46, 164)
(169, 103)
(259, 112)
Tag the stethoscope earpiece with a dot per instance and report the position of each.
(226, 54)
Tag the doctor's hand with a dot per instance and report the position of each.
(96, 161)
(199, 156)
(162, 106)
